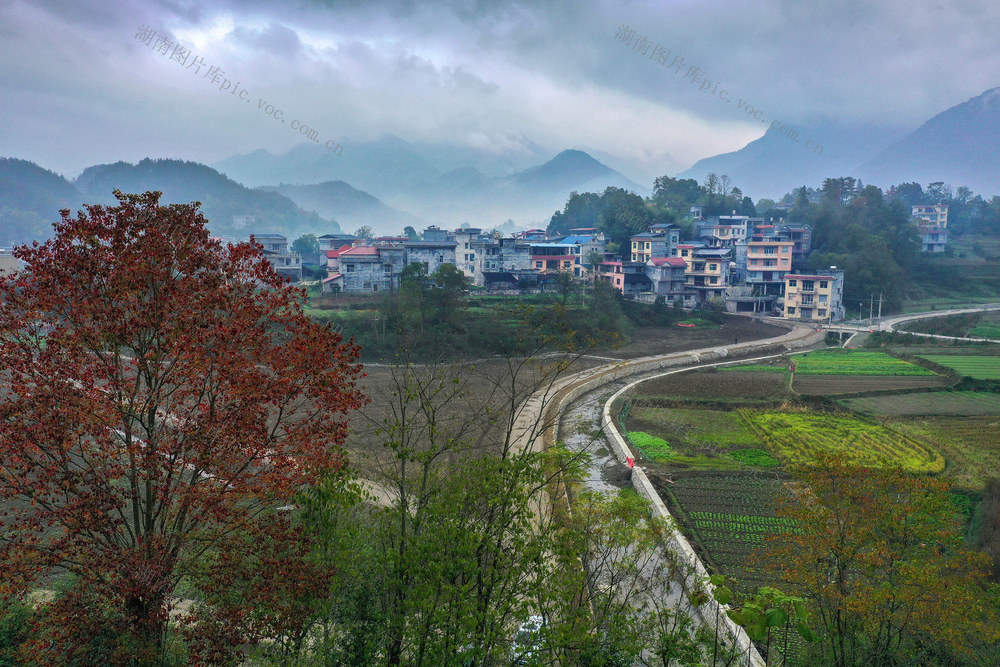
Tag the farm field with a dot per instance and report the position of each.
(699, 427)
(855, 362)
(819, 385)
(971, 445)
(954, 403)
(716, 385)
(796, 437)
(728, 516)
(697, 438)
(978, 367)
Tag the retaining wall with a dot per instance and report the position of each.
(587, 381)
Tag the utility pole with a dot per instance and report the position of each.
(880, 305)
(871, 305)
(861, 312)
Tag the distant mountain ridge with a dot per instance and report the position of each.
(352, 208)
(960, 146)
(30, 197)
(398, 174)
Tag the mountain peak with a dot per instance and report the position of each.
(960, 146)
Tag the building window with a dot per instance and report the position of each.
(349, 268)
(790, 310)
(538, 265)
(822, 284)
(387, 269)
(808, 285)
(792, 283)
(821, 312)
(684, 253)
(713, 267)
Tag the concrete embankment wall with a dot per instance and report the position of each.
(588, 381)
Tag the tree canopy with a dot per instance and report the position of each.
(164, 397)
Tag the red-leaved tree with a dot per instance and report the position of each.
(163, 396)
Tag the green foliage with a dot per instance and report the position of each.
(754, 457)
(14, 630)
(652, 447)
(879, 556)
(306, 245)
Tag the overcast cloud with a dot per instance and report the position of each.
(78, 88)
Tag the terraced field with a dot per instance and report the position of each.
(971, 445)
(797, 437)
(943, 403)
(973, 366)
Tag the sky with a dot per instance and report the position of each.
(81, 84)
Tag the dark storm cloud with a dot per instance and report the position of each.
(479, 72)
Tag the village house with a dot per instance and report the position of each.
(932, 225)
(432, 253)
(707, 270)
(659, 241)
(285, 262)
(629, 278)
(815, 297)
(465, 252)
(667, 277)
(503, 260)
(332, 241)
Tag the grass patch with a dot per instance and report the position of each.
(652, 447)
(797, 438)
(698, 322)
(973, 366)
(754, 457)
(985, 331)
(854, 362)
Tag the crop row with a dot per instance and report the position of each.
(742, 518)
(855, 362)
(974, 366)
(799, 437)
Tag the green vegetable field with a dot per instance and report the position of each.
(854, 362)
(978, 367)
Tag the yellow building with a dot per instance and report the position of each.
(707, 269)
(931, 214)
(817, 297)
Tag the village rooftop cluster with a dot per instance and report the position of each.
(742, 263)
